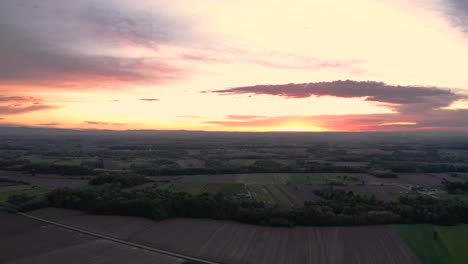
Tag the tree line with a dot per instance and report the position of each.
(338, 207)
(124, 181)
(455, 187)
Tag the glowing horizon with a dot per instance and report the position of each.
(181, 65)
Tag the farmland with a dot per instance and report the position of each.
(47, 181)
(283, 189)
(233, 243)
(49, 244)
(437, 244)
(274, 188)
(290, 194)
(272, 194)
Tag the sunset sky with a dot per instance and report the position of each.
(235, 65)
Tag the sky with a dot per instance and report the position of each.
(243, 65)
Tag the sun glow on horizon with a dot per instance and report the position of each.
(298, 127)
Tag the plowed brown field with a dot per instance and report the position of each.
(25, 241)
(230, 242)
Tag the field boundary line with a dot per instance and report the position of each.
(120, 241)
(288, 195)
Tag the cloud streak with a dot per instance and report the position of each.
(149, 99)
(99, 123)
(373, 91)
(230, 53)
(49, 124)
(15, 110)
(17, 99)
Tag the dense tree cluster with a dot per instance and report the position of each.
(12, 164)
(47, 168)
(420, 167)
(151, 203)
(85, 168)
(455, 187)
(167, 167)
(124, 181)
(338, 207)
(12, 182)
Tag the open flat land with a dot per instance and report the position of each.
(292, 189)
(230, 242)
(421, 179)
(437, 244)
(279, 170)
(25, 241)
(48, 181)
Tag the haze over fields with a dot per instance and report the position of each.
(262, 65)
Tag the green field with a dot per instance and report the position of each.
(241, 162)
(263, 178)
(68, 162)
(199, 178)
(463, 175)
(273, 194)
(260, 193)
(343, 179)
(37, 159)
(306, 178)
(199, 187)
(7, 191)
(286, 178)
(297, 178)
(193, 188)
(443, 195)
(226, 189)
(314, 178)
(283, 197)
(437, 244)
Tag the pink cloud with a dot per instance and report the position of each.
(11, 110)
(437, 119)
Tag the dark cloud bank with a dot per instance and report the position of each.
(55, 42)
(425, 106)
(457, 11)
